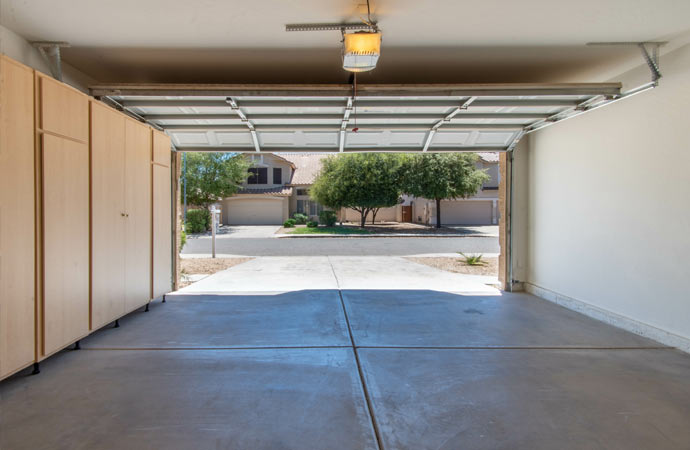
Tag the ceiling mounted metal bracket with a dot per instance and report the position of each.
(650, 57)
(51, 53)
(235, 107)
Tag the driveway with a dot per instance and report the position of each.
(352, 353)
(239, 231)
(295, 273)
(349, 246)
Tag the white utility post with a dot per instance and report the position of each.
(214, 222)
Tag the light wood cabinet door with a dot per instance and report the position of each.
(65, 242)
(161, 148)
(108, 215)
(17, 231)
(162, 231)
(63, 109)
(138, 208)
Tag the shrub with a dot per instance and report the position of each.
(183, 238)
(473, 260)
(198, 221)
(327, 217)
(300, 219)
(289, 223)
(312, 224)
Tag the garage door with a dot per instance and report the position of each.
(466, 212)
(253, 212)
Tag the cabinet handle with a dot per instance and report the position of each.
(122, 214)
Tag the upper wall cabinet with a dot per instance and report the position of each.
(17, 293)
(61, 111)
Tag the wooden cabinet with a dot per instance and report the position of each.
(139, 215)
(63, 123)
(65, 242)
(85, 215)
(17, 231)
(108, 216)
(162, 215)
(120, 215)
(63, 110)
(161, 148)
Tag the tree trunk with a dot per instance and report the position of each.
(373, 215)
(438, 213)
(364, 213)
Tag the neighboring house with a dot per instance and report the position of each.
(279, 187)
(480, 209)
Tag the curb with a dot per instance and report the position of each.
(373, 235)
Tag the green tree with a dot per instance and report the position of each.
(364, 182)
(440, 176)
(214, 176)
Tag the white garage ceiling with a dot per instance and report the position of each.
(450, 41)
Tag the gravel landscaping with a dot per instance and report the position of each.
(490, 266)
(205, 266)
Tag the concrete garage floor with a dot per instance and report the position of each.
(352, 366)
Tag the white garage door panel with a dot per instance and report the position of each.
(253, 212)
(466, 212)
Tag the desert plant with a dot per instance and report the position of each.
(300, 218)
(312, 224)
(290, 223)
(198, 221)
(327, 217)
(473, 260)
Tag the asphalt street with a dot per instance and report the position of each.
(350, 246)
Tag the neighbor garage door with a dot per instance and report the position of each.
(466, 212)
(253, 212)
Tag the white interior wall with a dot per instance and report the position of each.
(19, 49)
(607, 208)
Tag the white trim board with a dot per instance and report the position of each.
(611, 318)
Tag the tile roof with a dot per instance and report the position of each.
(307, 166)
(280, 191)
(491, 157)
